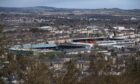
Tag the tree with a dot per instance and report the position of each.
(70, 76)
(37, 73)
(133, 69)
(2, 51)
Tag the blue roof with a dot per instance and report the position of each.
(29, 46)
(43, 45)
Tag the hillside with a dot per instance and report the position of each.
(45, 9)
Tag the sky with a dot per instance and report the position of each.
(88, 4)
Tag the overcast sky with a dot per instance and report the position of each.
(92, 4)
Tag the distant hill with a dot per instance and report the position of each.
(45, 9)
